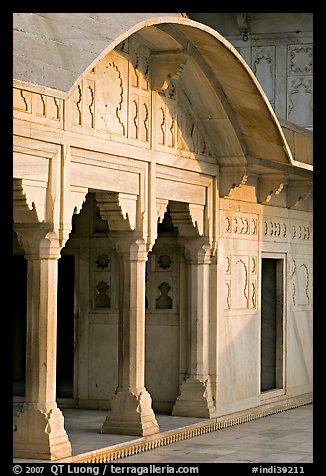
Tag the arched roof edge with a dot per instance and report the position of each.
(188, 22)
(178, 20)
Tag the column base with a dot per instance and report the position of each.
(131, 414)
(40, 435)
(195, 399)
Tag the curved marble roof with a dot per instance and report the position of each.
(55, 50)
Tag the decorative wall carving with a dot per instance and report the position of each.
(228, 295)
(164, 301)
(300, 100)
(42, 108)
(300, 59)
(244, 284)
(263, 65)
(115, 100)
(275, 228)
(300, 84)
(164, 261)
(119, 98)
(301, 231)
(90, 104)
(103, 261)
(102, 299)
(299, 274)
(162, 277)
(22, 100)
(240, 224)
(240, 282)
(228, 264)
(104, 288)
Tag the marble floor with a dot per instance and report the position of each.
(285, 437)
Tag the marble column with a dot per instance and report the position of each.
(39, 426)
(131, 408)
(195, 398)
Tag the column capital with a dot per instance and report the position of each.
(130, 245)
(197, 249)
(39, 240)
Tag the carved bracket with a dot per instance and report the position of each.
(188, 218)
(161, 206)
(24, 206)
(269, 184)
(297, 191)
(77, 198)
(166, 66)
(232, 176)
(118, 209)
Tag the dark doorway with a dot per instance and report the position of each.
(272, 324)
(65, 333)
(19, 324)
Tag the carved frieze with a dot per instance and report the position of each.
(300, 231)
(275, 228)
(242, 224)
(281, 229)
(41, 108)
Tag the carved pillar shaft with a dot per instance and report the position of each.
(40, 429)
(131, 356)
(131, 408)
(41, 332)
(195, 397)
(198, 287)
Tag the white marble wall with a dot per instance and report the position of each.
(250, 232)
